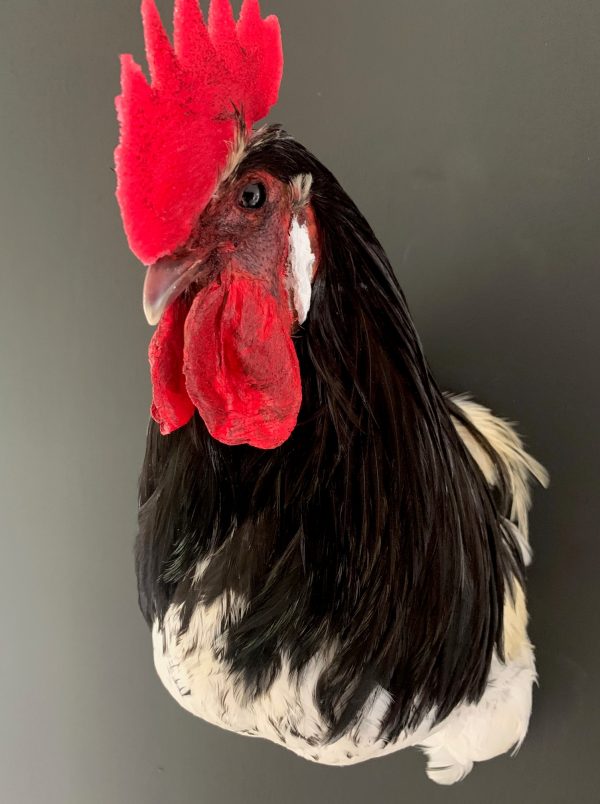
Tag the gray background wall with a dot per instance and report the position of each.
(468, 132)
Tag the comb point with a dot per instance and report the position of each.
(159, 53)
(249, 12)
(221, 22)
(189, 31)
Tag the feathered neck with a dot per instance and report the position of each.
(371, 526)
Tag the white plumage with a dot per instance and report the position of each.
(300, 269)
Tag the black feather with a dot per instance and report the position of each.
(371, 528)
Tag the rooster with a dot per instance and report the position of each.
(331, 551)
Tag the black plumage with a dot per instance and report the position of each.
(371, 528)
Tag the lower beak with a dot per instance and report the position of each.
(167, 279)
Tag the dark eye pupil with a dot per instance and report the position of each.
(253, 196)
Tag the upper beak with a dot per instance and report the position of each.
(167, 279)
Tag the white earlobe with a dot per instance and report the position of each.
(300, 269)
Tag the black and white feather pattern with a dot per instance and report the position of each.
(360, 588)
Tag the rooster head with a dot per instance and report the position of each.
(231, 251)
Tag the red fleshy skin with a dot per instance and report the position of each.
(241, 368)
(171, 405)
(175, 133)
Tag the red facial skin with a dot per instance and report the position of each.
(176, 129)
(224, 347)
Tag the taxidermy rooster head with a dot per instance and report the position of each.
(336, 535)
(230, 245)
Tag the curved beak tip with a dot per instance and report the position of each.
(152, 313)
(165, 281)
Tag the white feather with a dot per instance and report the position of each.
(191, 668)
(301, 265)
(507, 444)
(476, 732)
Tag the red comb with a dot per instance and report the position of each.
(176, 132)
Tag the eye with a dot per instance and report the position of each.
(253, 196)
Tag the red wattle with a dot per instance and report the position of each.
(240, 365)
(171, 405)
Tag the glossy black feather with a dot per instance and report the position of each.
(371, 526)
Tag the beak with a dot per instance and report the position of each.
(167, 279)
